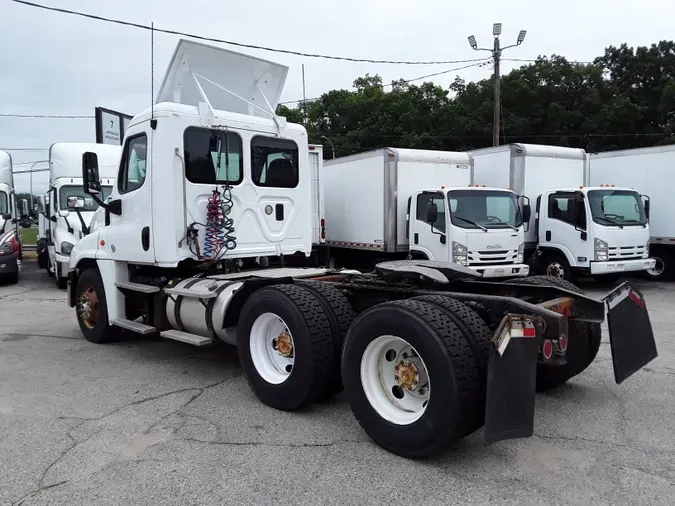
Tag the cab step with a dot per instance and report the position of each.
(137, 287)
(186, 337)
(139, 328)
(191, 293)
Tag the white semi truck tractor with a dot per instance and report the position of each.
(193, 250)
(421, 204)
(574, 229)
(648, 172)
(70, 209)
(10, 239)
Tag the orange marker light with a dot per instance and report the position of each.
(102, 242)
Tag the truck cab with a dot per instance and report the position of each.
(10, 239)
(602, 231)
(476, 227)
(70, 209)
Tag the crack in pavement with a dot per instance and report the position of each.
(276, 445)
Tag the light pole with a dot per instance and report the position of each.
(31, 181)
(331, 145)
(496, 56)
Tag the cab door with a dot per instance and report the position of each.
(129, 236)
(427, 227)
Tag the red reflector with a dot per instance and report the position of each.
(547, 349)
(323, 222)
(563, 343)
(635, 298)
(311, 148)
(529, 332)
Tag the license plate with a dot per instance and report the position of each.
(620, 267)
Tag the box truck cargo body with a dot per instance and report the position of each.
(650, 172)
(395, 203)
(569, 232)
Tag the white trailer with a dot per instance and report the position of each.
(651, 172)
(377, 208)
(67, 194)
(569, 233)
(173, 259)
(10, 238)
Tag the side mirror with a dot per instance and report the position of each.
(527, 213)
(64, 213)
(92, 183)
(647, 201)
(432, 212)
(6, 216)
(75, 202)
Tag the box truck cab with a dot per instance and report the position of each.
(397, 203)
(70, 208)
(575, 229)
(10, 240)
(477, 227)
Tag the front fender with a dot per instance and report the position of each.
(85, 249)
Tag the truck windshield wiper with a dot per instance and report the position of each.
(610, 220)
(636, 222)
(471, 222)
(500, 222)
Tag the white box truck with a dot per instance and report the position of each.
(10, 239)
(162, 264)
(396, 203)
(67, 197)
(573, 229)
(651, 172)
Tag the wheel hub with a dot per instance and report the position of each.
(283, 343)
(83, 307)
(407, 375)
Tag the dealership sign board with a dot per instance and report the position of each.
(110, 126)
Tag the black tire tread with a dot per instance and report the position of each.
(341, 315)
(316, 320)
(105, 333)
(477, 335)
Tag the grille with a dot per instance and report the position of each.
(627, 252)
(492, 257)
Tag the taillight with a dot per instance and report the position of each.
(323, 228)
(547, 349)
(562, 342)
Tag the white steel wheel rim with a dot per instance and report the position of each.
(270, 359)
(658, 268)
(557, 268)
(381, 387)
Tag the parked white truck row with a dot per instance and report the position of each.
(427, 351)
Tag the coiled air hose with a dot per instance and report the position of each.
(219, 232)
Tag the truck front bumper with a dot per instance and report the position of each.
(618, 266)
(9, 264)
(502, 271)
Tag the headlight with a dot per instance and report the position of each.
(601, 250)
(647, 250)
(66, 248)
(459, 254)
(6, 248)
(521, 253)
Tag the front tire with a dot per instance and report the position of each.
(557, 266)
(92, 309)
(285, 346)
(410, 377)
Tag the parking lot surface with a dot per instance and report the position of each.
(159, 422)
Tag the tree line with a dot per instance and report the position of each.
(623, 99)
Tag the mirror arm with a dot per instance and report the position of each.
(85, 228)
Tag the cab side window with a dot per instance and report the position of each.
(563, 207)
(134, 161)
(423, 201)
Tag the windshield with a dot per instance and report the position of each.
(4, 203)
(617, 207)
(78, 191)
(484, 209)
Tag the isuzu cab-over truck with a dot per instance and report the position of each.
(396, 203)
(651, 172)
(574, 229)
(426, 351)
(70, 209)
(10, 239)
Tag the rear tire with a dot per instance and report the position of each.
(665, 266)
(477, 335)
(92, 309)
(298, 378)
(583, 341)
(372, 385)
(340, 317)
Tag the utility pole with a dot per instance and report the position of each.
(496, 58)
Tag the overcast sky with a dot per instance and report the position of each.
(53, 63)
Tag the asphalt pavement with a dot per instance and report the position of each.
(152, 422)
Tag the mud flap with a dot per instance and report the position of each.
(631, 336)
(511, 383)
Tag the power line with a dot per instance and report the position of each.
(238, 44)
(480, 63)
(526, 60)
(48, 116)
